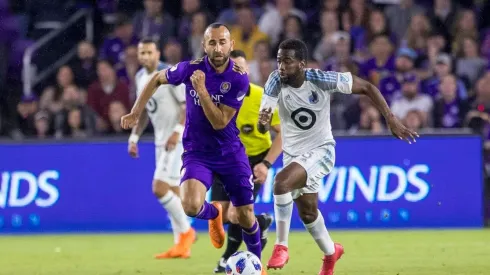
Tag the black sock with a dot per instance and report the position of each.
(261, 221)
(234, 240)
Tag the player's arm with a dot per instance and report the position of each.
(269, 101)
(276, 147)
(140, 127)
(150, 88)
(218, 116)
(363, 87)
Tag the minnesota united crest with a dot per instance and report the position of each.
(313, 97)
(225, 87)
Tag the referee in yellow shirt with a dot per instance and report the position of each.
(261, 152)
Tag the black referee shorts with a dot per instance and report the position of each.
(218, 192)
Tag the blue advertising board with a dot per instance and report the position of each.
(378, 182)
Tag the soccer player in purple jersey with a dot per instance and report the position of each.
(215, 89)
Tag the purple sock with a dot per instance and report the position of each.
(251, 237)
(207, 212)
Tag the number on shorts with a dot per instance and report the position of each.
(303, 118)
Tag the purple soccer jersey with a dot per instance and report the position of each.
(208, 151)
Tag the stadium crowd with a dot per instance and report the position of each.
(429, 58)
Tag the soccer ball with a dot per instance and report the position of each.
(243, 263)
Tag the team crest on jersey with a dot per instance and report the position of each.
(225, 87)
(344, 78)
(313, 97)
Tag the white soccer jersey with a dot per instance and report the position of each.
(164, 106)
(305, 111)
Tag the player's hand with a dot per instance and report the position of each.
(198, 79)
(129, 121)
(133, 150)
(172, 141)
(400, 131)
(265, 116)
(260, 173)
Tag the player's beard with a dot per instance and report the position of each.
(218, 63)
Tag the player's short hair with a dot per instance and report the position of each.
(238, 53)
(149, 40)
(298, 46)
(217, 25)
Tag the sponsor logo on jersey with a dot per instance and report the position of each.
(225, 87)
(247, 129)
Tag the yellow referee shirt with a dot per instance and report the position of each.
(248, 117)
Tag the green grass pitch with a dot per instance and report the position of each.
(465, 252)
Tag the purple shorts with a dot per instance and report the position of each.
(232, 169)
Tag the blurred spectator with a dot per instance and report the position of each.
(383, 61)
(265, 69)
(465, 26)
(315, 18)
(470, 65)
(400, 16)
(325, 45)
(271, 23)
(418, 33)
(199, 22)
(154, 22)
(104, 91)
(65, 124)
(442, 15)
(449, 110)
(342, 61)
(84, 65)
(414, 120)
(189, 9)
(51, 96)
(230, 16)
(356, 18)
(293, 29)
(246, 33)
(116, 110)
(370, 120)
(42, 125)
(390, 85)
(26, 111)
(114, 46)
(172, 52)
(127, 73)
(412, 99)
(377, 25)
(261, 53)
(442, 68)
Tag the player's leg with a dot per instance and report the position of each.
(197, 178)
(165, 187)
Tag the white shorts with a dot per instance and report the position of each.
(318, 163)
(168, 164)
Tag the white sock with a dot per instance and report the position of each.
(283, 210)
(175, 229)
(173, 205)
(319, 232)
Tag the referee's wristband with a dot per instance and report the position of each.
(267, 164)
(134, 138)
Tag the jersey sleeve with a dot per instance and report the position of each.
(271, 92)
(237, 92)
(178, 74)
(330, 81)
(178, 92)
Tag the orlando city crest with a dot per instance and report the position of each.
(225, 87)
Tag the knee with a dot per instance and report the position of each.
(232, 215)
(160, 188)
(245, 216)
(308, 215)
(281, 184)
(192, 206)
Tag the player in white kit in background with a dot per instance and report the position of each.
(166, 110)
(303, 96)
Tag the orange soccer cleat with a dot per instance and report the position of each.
(181, 250)
(329, 261)
(216, 229)
(279, 258)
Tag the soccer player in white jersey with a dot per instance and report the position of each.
(303, 96)
(166, 110)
